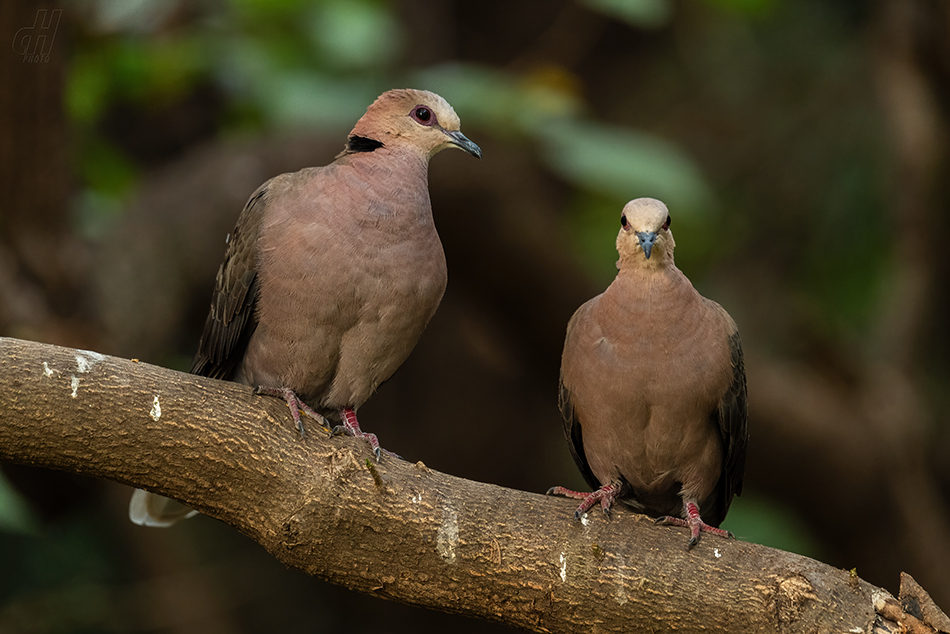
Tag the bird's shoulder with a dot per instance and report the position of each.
(714, 313)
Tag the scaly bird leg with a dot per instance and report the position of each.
(606, 495)
(694, 522)
(351, 427)
(295, 404)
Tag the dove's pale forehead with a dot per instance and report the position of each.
(646, 214)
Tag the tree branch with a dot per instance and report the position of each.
(398, 530)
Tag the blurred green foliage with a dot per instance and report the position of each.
(294, 64)
(758, 520)
(15, 515)
(639, 13)
(68, 579)
(657, 13)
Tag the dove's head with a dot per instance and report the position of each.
(416, 119)
(645, 236)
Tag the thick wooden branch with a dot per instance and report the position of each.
(399, 530)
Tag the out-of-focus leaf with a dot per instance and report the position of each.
(175, 66)
(592, 223)
(250, 10)
(135, 69)
(308, 99)
(355, 34)
(489, 98)
(106, 169)
(95, 212)
(87, 88)
(109, 177)
(616, 161)
(259, 77)
(757, 520)
(610, 165)
(751, 7)
(15, 515)
(640, 13)
(244, 63)
(624, 163)
(131, 15)
(501, 101)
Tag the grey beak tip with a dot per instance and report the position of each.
(472, 149)
(646, 238)
(464, 143)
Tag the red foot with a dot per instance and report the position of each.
(295, 404)
(351, 427)
(606, 495)
(695, 524)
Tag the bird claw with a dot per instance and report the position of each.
(377, 450)
(351, 427)
(295, 404)
(606, 494)
(344, 430)
(695, 524)
(372, 440)
(572, 494)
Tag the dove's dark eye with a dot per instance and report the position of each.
(623, 221)
(423, 115)
(669, 221)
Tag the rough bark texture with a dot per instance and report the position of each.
(399, 530)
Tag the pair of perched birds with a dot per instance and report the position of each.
(332, 273)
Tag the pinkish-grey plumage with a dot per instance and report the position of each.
(653, 389)
(332, 273)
